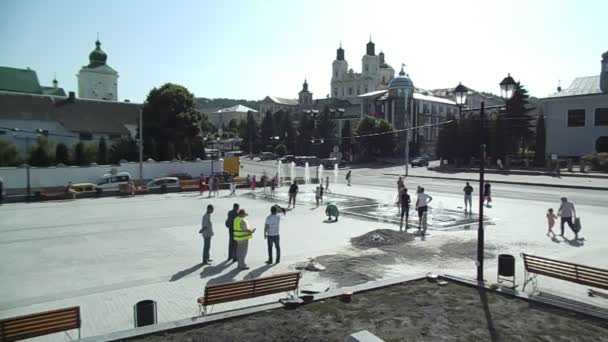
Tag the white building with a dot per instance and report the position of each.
(375, 74)
(97, 80)
(576, 118)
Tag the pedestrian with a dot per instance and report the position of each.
(243, 232)
(327, 185)
(232, 214)
(550, 221)
(271, 234)
(487, 193)
(400, 185)
(1, 191)
(499, 163)
(249, 181)
(253, 181)
(216, 186)
(207, 232)
(348, 176)
(293, 191)
(264, 181)
(273, 185)
(321, 192)
(201, 185)
(468, 197)
(404, 204)
(317, 195)
(566, 211)
(332, 210)
(211, 185)
(422, 206)
(232, 183)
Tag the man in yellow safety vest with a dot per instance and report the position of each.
(242, 235)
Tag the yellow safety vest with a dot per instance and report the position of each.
(239, 234)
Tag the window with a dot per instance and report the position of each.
(358, 90)
(576, 118)
(366, 89)
(433, 109)
(601, 116)
(366, 67)
(425, 108)
(336, 74)
(350, 90)
(85, 136)
(335, 92)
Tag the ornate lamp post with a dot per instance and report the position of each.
(507, 89)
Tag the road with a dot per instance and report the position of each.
(377, 177)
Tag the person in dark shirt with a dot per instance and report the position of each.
(468, 197)
(404, 203)
(230, 225)
(1, 191)
(293, 191)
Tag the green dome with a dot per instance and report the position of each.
(97, 57)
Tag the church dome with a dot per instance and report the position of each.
(401, 81)
(97, 57)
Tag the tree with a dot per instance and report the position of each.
(499, 139)
(150, 150)
(198, 147)
(233, 126)
(90, 152)
(62, 154)
(166, 151)
(171, 117)
(287, 132)
(249, 134)
(42, 153)
(125, 148)
(325, 130)
(102, 152)
(280, 150)
(384, 141)
(8, 153)
(305, 131)
(366, 127)
(268, 128)
(540, 150)
(518, 120)
(80, 158)
(345, 143)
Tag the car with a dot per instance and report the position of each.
(181, 176)
(163, 183)
(329, 163)
(288, 158)
(113, 181)
(419, 161)
(267, 156)
(84, 187)
(311, 160)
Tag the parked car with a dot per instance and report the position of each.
(311, 160)
(267, 156)
(181, 176)
(84, 187)
(288, 158)
(111, 181)
(163, 183)
(419, 161)
(328, 163)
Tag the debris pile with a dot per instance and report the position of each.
(381, 237)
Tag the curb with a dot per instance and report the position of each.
(584, 187)
(529, 173)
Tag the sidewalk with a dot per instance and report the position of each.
(567, 180)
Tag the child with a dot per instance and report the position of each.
(550, 221)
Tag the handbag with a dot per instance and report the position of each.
(577, 224)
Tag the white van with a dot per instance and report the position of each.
(113, 181)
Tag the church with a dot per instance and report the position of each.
(375, 74)
(97, 80)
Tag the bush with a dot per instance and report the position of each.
(598, 161)
(280, 150)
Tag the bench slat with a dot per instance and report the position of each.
(580, 274)
(50, 320)
(39, 324)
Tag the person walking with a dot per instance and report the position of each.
(216, 186)
(566, 211)
(273, 185)
(550, 221)
(293, 191)
(271, 234)
(232, 214)
(253, 181)
(207, 232)
(317, 195)
(211, 184)
(400, 185)
(1, 191)
(487, 193)
(232, 183)
(243, 232)
(422, 206)
(327, 185)
(404, 204)
(201, 185)
(348, 177)
(468, 197)
(321, 192)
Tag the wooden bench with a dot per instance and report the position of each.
(243, 289)
(40, 324)
(53, 192)
(189, 184)
(580, 274)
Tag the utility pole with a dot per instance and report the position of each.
(407, 135)
(141, 144)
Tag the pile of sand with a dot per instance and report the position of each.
(381, 237)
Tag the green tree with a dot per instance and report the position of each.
(287, 132)
(249, 134)
(366, 127)
(42, 153)
(384, 141)
(90, 151)
(233, 126)
(325, 130)
(268, 127)
(62, 154)
(499, 139)
(518, 120)
(345, 142)
(305, 132)
(102, 152)
(198, 147)
(280, 150)
(170, 116)
(125, 148)
(540, 149)
(8, 153)
(150, 148)
(80, 157)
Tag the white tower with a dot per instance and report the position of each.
(97, 80)
(339, 70)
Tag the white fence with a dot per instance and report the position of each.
(16, 178)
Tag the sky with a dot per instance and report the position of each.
(253, 48)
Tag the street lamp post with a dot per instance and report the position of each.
(507, 87)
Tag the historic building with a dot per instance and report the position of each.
(26, 81)
(348, 84)
(576, 118)
(97, 80)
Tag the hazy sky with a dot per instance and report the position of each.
(250, 49)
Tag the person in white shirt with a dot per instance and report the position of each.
(422, 206)
(207, 233)
(271, 233)
(566, 211)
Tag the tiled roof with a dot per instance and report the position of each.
(80, 116)
(581, 86)
(19, 80)
(53, 91)
(423, 97)
(280, 100)
(237, 108)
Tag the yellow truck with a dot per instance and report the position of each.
(232, 164)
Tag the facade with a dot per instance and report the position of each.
(26, 81)
(272, 104)
(576, 118)
(404, 105)
(474, 98)
(97, 80)
(375, 74)
(221, 117)
(65, 120)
